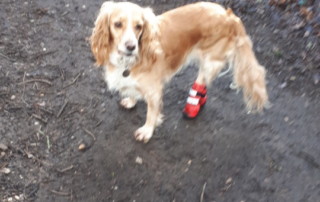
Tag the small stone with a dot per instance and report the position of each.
(307, 33)
(292, 78)
(286, 119)
(42, 104)
(309, 45)
(229, 180)
(17, 197)
(139, 160)
(82, 147)
(10, 199)
(283, 85)
(5, 170)
(29, 155)
(13, 97)
(3, 147)
(316, 78)
(266, 180)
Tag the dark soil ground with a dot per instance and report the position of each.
(52, 100)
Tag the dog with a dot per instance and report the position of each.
(141, 52)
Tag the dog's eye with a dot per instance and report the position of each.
(118, 24)
(138, 27)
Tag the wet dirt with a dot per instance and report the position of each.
(53, 99)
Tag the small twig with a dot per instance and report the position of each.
(47, 111)
(4, 93)
(62, 108)
(98, 124)
(41, 54)
(62, 74)
(6, 57)
(39, 118)
(59, 193)
(65, 169)
(24, 86)
(202, 193)
(65, 13)
(74, 80)
(226, 188)
(48, 142)
(36, 80)
(3, 165)
(90, 133)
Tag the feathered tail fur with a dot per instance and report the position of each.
(248, 74)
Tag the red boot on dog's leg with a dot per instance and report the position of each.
(197, 98)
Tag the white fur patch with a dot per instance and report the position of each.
(144, 133)
(128, 102)
(122, 61)
(126, 86)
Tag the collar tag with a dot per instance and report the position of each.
(126, 73)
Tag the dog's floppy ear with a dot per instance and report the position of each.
(149, 40)
(100, 38)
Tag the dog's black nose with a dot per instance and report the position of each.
(130, 46)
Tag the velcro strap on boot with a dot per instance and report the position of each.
(196, 93)
(193, 100)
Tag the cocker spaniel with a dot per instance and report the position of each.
(141, 52)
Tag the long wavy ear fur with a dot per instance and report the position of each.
(100, 38)
(149, 40)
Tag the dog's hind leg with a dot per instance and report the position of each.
(208, 70)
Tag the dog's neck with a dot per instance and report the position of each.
(123, 62)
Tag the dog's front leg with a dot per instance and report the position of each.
(154, 103)
(128, 102)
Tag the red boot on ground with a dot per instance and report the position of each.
(197, 98)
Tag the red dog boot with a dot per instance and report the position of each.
(197, 98)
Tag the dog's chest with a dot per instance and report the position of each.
(126, 86)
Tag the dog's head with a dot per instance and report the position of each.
(120, 31)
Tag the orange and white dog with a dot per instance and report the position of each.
(141, 52)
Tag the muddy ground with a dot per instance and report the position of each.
(53, 99)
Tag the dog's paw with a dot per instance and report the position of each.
(128, 103)
(144, 134)
(159, 119)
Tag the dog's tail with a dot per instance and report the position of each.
(248, 74)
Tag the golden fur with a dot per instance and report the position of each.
(203, 31)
